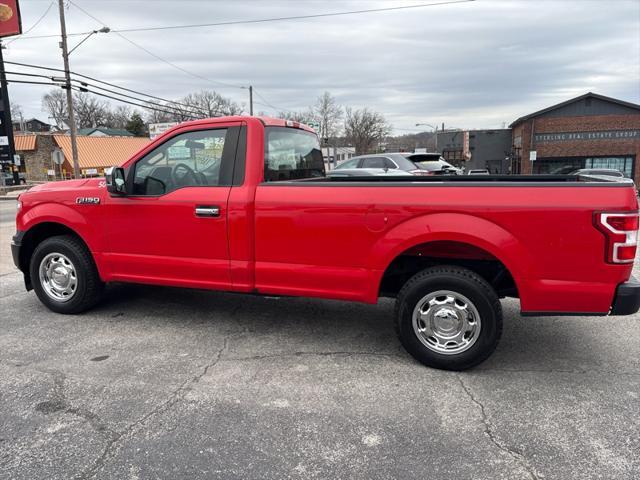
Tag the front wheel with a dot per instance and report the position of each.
(64, 275)
(448, 317)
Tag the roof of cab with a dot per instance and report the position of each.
(267, 121)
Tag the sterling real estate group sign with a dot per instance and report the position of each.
(577, 136)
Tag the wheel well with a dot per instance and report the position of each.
(430, 254)
(36, 235)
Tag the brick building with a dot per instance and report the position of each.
(590, 131)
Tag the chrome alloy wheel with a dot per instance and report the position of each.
(446, 322)
(58, 277)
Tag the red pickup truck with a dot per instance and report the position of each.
(243, 204)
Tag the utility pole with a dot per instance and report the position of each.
(67, 76)
(251, 100)
(8, 150)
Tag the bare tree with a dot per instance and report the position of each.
(118, 117)
(16, 113)
(55, 104)
(328, 113)
(363, 128)
(153, 115)
(90, 112)
(207, 103)
(305, 116)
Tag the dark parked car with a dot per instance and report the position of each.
(7, 178)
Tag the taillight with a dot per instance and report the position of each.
(621, 231)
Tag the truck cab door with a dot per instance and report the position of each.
(171, 226)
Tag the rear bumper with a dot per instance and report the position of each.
(627, 298)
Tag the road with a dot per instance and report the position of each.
(169, 383)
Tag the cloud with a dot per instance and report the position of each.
(477, 64)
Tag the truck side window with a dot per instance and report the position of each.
(191, 159)
(291, 154)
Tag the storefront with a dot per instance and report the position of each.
(590, 131)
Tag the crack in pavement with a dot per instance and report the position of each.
(59, 402)
(488, 431)
(175, 396)
(561, 370)
(320, 354)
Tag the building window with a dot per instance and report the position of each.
(623, 164)
(561, 166)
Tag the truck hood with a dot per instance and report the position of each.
(63, 185)
(65, 189)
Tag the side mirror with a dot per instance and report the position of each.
(116, 182)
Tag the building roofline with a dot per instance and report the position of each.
(572, 100)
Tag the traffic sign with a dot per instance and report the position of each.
(57, 156)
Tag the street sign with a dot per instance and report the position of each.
(157, 129)
(57, 156)
(533, 155)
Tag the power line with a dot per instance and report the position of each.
(74, 87)
(157, 57)
(32, 26)
(266, 103)
(178, 104)
(273, 19)
(84, 90)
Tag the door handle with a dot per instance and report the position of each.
(207, 211)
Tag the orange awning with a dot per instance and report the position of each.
(24, 142)
(101, 152)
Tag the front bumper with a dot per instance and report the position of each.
(16, 244)
(627, 298)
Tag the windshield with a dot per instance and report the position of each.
(291, 154)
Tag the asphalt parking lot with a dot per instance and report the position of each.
(169, 383)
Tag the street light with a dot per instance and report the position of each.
(102, 30)
(435, 132)
(67, 75)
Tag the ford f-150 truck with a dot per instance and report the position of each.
(242, 204)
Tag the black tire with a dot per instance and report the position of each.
(466, 283)
(89, 287)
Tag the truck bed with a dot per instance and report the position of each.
(478, 180)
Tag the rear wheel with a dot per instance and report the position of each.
(64, 275)
(448, 317)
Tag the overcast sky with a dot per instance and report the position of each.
(470, 65)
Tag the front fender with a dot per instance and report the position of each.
(457, 227)
(64, 215)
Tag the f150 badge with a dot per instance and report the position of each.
(87, 200)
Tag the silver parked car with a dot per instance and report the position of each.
(607, 172)
(413, 163)
(432, 162)
(368, 172)
(382, 162)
